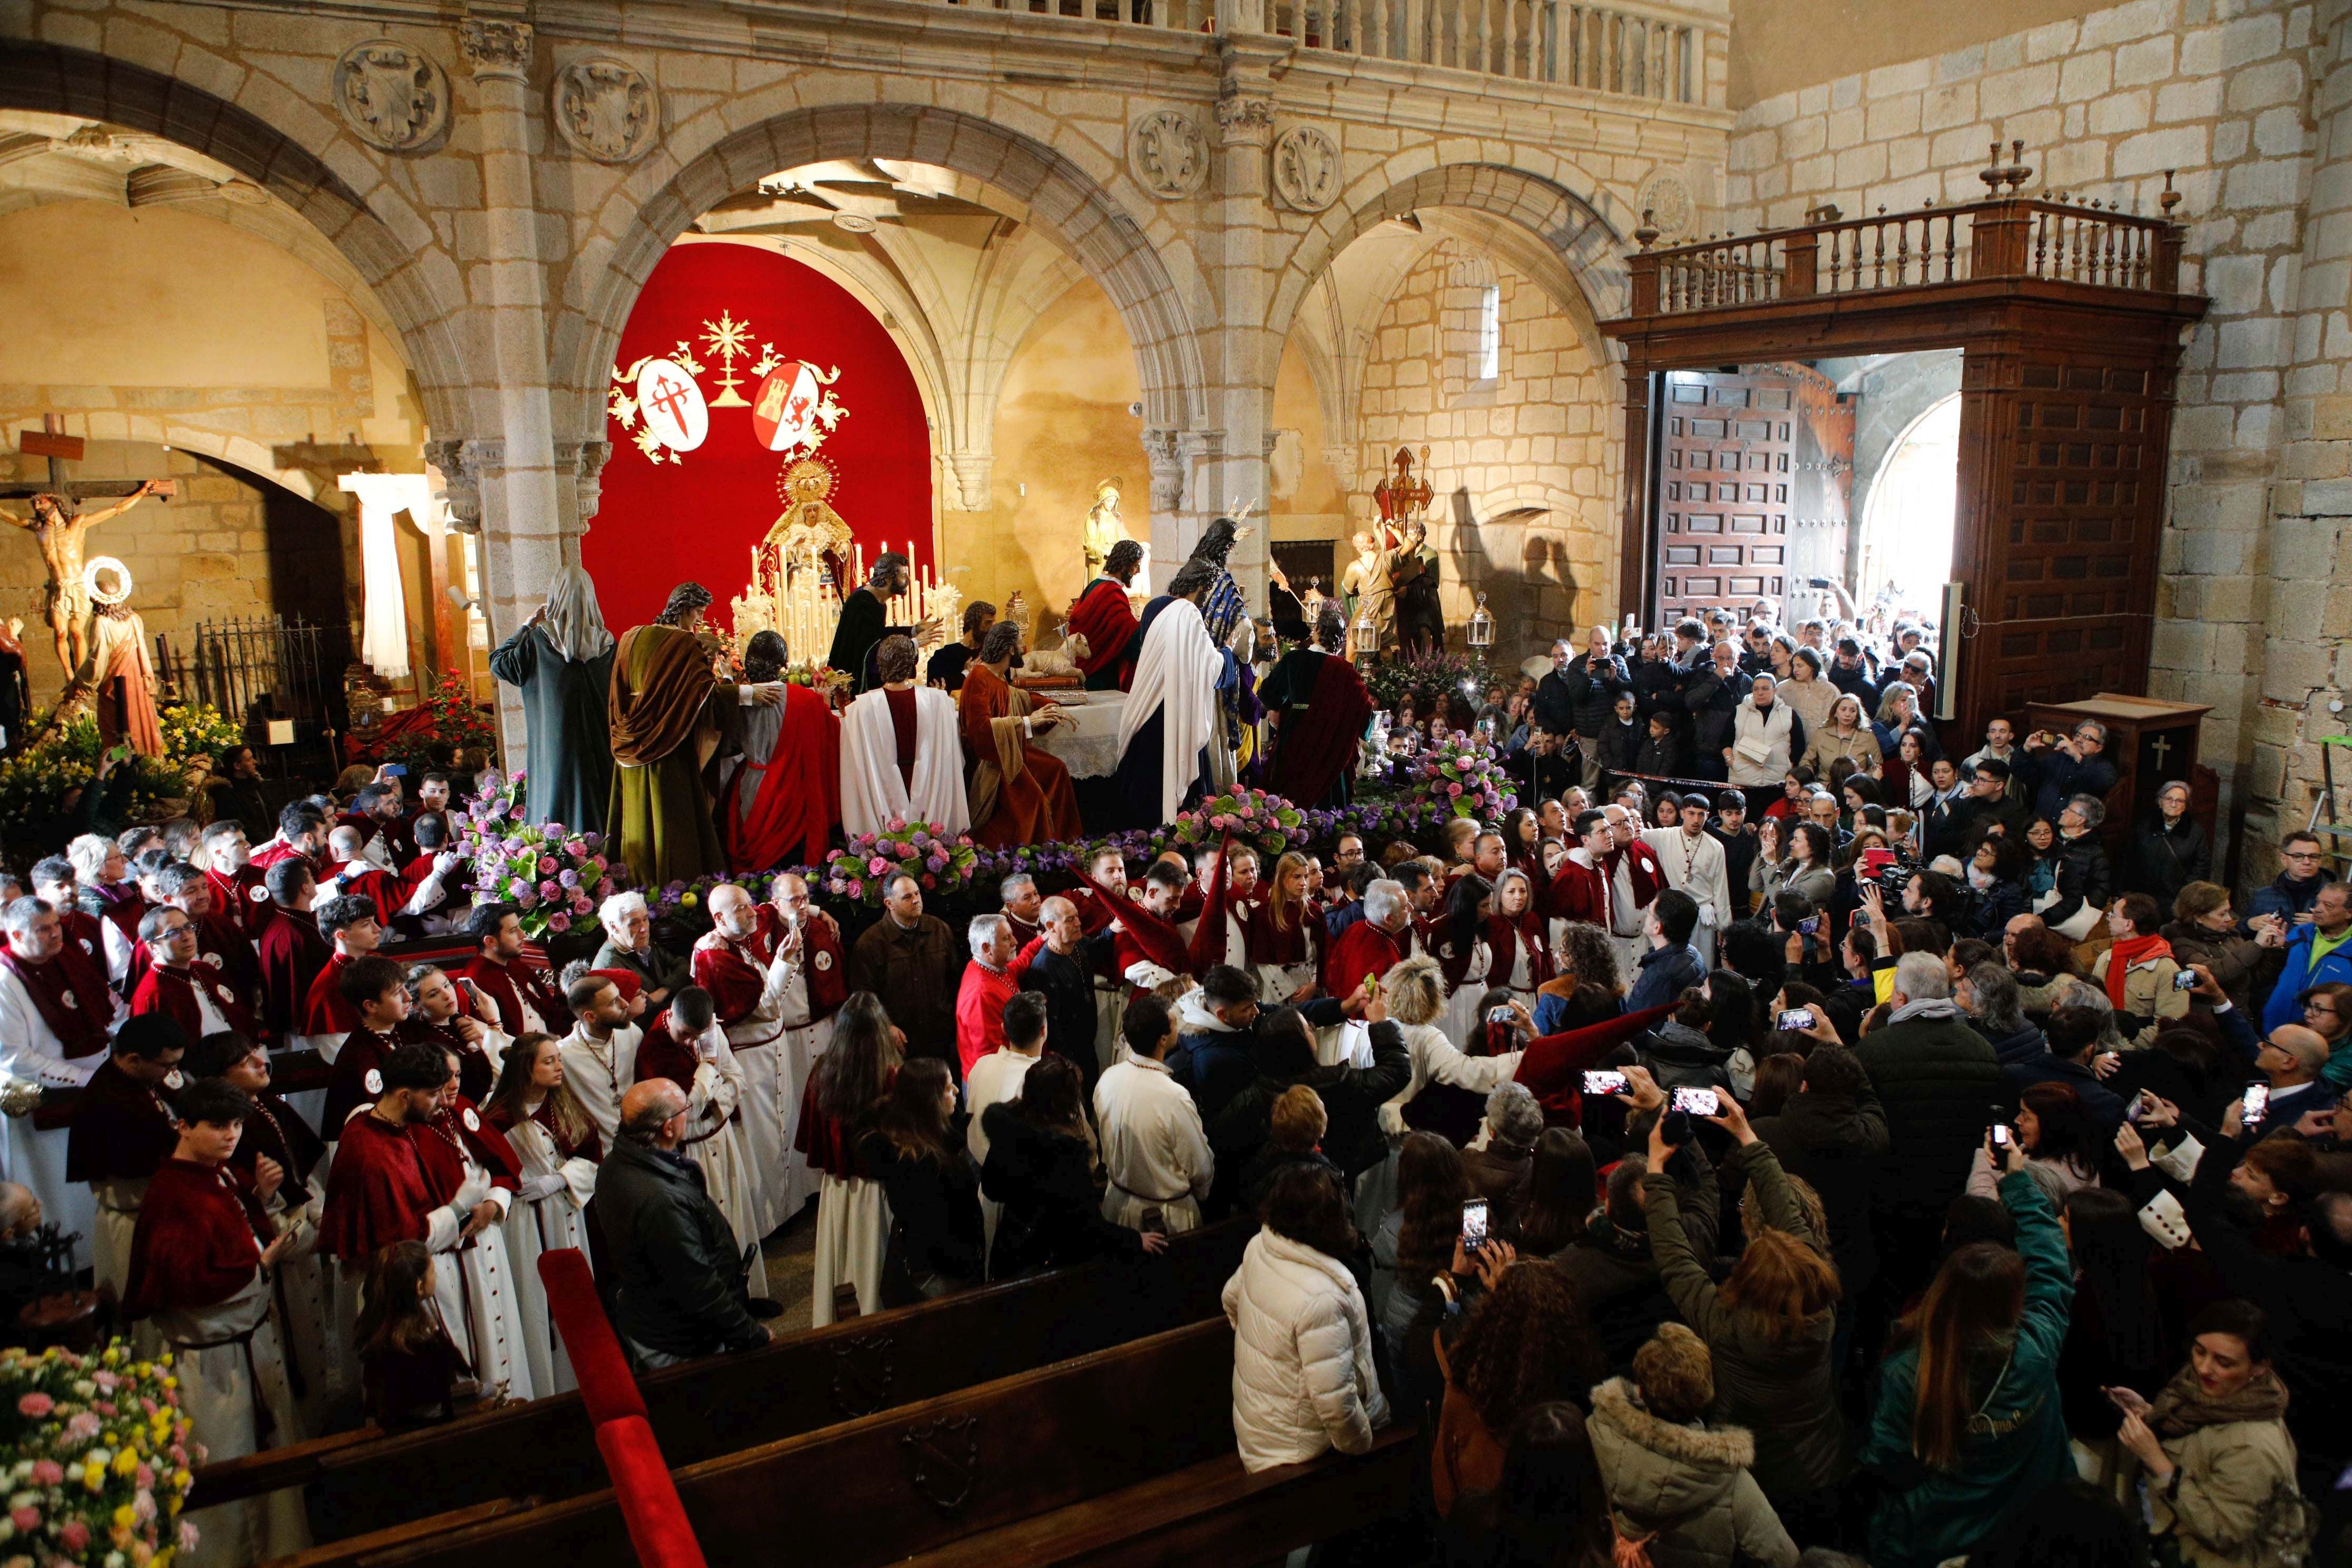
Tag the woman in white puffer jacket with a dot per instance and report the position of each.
(1303, 1377)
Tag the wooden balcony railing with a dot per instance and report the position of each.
(2051, 239)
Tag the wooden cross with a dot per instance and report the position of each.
(52, 442)
(2157, 748)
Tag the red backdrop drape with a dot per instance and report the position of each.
(660, 524)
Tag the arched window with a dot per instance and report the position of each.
(1489, 360)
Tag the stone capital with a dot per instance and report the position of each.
(1243, 119)
(975, 475)
(495, 49)
(463, 465)
(584, 461)
(1168, 461)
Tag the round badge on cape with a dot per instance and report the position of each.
(259, 893)
(71, 1000)
(225, 994)
(176, 1080)
(373, 1082)
(88, 946)
(473, 1122)
(823, 962)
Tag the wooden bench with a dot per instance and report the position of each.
(806, 1380)
(1123, 1456)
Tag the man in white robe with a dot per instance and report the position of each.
(901, 756)
(1154, 1145)
(600, 1053)
(1693, 858)
(1171, 710)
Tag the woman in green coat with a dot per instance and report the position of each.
(1969, 1423)
(562, 661)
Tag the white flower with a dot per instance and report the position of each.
(23, 1500)
(116, 1559)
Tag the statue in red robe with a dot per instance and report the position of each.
(1020, 793)
(1102, 615)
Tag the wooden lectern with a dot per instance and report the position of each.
(2151, 743)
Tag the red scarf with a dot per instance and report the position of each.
(71, 995)
(2124, 955)
(1157, 938)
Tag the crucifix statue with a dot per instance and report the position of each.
(59, 525)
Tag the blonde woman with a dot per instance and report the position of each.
(1845, 734)
(551, 1135)
(1414, 994)
(1287, 937)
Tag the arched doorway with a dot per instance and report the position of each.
(1906, 552)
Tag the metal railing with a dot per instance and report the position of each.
(252, 668)
(2051, 239)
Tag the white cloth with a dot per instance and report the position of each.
(548, 1224)
(118, 1198)
(306, 1294)
(715, 1143)
(872, 792)
(1175, 673)
(853, 1225)
(776, 1046)
(1154, 1145)
(1087, 741)
(1461, 1015)
(599, 1072)
(483, 1294)
(1303, 1377)
(383, 628)
(1695, 866)
(1760, 744)
(30, 1049)
(217, 1392)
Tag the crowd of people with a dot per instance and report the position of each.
(1768, 1137)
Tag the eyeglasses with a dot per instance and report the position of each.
(2303, 854)
(2321, 1010)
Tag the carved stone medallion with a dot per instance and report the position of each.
(606, 109)
(1306, 169)
(1667, 199)
(392, 96)
(1168, 154)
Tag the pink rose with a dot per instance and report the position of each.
(1249, 810)
(26, 1519)
(558, 922)
(74, 1536)
(857, 888)
(549, 890)
(831, 855)
(1453, 790)
(48, 1473)
(877, 866)
(547, 865)
(896, 824)
(36, 1406)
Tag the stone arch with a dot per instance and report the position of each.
(1573, 225)
(367, 231)
(652, 209)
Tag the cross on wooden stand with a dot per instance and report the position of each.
(52, 442)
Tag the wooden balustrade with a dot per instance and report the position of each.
(2051, 240)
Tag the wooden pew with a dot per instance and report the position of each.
(1124, 1456)
(805, 1381)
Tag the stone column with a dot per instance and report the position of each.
(528, 512)
(1228, 466)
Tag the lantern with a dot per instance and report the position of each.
(1364, 637)
(1481, 626)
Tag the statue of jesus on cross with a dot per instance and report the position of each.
(59, 528)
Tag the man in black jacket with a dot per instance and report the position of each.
(1712, 697)
(1553, 709)
(1059, 964)
(1283, 1047)
(677, 1278)
(1595, 683)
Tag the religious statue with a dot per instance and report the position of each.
(15, 690)
(1104, 528)
(1402, 497)
(1395, 572)
(123, 671)
(59, 528)
(1366, 585)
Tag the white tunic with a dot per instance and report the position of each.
(480, 1300)
(217, 1385)
(30, 1049)
(872, 792)
(545, 1224)
(1152, 1145)
(776, 1046)
(715, 1143)
(599, 1072)
(1696, 867)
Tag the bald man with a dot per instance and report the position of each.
(2293, 1058)
(678, 1289)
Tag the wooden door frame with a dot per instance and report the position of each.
(1995, 323)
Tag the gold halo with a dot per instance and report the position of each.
(810, 478)
(99, 563)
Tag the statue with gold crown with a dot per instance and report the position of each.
(808, 561)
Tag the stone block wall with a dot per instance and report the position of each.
(1523, 464)
(202, 554)
(2231, 96)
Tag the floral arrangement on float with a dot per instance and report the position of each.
(944, 863)
(1268, 823)
(65, 753)
(97, 1460)
(552, 875)
(1457, 677)
(1459, 778)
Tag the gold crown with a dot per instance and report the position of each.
(810, 478)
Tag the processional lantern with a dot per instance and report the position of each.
(1364, 637)
(1481, 626)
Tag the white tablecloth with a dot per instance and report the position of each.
(1091, 747)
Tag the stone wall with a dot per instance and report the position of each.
(2231, 96)
(1524, 465)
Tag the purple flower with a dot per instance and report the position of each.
(937, 863)
(552, 829)
(592, 839)
(526, 898)
(569, 879)
(604, 889)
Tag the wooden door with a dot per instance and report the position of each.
(1727, 453)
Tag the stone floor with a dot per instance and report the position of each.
(790, 1254)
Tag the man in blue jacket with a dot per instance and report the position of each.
(2315, 953)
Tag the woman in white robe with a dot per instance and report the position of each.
(558, 1146)
(853, 1217)
(714, 1140)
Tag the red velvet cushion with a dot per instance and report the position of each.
(657, 1520)
(597, 1359)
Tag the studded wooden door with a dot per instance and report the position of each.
(1726, 461)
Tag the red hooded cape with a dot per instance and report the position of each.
(1103, 616)
(798, 798)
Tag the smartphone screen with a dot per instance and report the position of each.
(1498, 1015)
(1811, 925)
(1604, 1083)
(1799, 1018)
(2255, 1104)
(396, 770)
(2001, 1137)
(1474, 1225)
(2184, 980)
(1698, 1101)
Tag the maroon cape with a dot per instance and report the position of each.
(798, 790)
(1316, 748)
(1103, 616)
(379, 1190)
(172, 993)
(292, 953)
(1362, 949)
(276, 1129)
(197, 1242)
(440, 1141)
(120, 1128)
(355, 1079)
